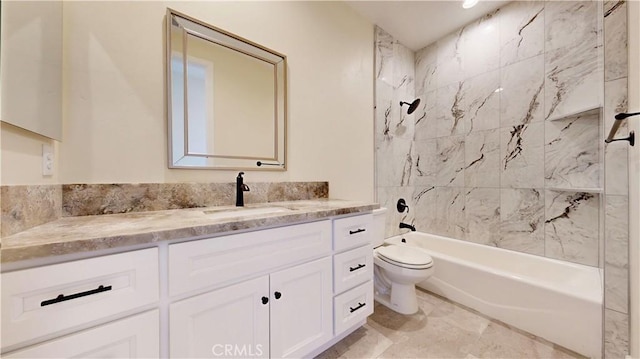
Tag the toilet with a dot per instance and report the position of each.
(397, 269)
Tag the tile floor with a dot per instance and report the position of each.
(440, 329)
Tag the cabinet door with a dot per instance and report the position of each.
(133, 337)
(301, 309)
(229, 322)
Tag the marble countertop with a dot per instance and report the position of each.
(91, 233)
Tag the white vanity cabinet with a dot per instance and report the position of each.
(285, 311)
(353, 271)
(228, 319)
(285, 292)
(58, 302)
(197, 266)
(133, 337)
(286, 314)
(301, 309)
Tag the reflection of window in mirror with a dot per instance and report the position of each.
(200, 91)
(237, 126)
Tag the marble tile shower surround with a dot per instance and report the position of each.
(573, 67)
(616, 261)
(485, 157)
(507, 147)
(615, 38)
(571, 226)
(616, 221)
(572, 151)
(24, 207)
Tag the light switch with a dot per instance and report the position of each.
(47, 160)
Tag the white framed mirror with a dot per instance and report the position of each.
(226, 99)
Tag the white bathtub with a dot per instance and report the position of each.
(555, 300)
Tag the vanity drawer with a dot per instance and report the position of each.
(133, 337)
(352, 232)
(352, 268)
(44, 300)
(352, 306)
(214, 262)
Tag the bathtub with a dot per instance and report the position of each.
(555, 300)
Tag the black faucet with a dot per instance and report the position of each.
(404, 225)
(240, 189)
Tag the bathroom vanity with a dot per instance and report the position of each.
(285, 280)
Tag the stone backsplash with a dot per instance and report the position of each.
(24, 207)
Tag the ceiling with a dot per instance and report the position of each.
(417, 24)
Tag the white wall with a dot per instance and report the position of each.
(114, 126)
(21, 161)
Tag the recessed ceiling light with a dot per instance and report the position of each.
(468, 4)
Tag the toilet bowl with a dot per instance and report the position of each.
(397, 269)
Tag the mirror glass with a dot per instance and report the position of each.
(31, 66)
(226, 99)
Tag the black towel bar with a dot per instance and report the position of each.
(616, 125)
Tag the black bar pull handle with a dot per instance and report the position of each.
(614, 129)
(360, 305)
(359, 230)
(352, 269)
(63, 298)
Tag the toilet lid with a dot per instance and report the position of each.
(405, 256)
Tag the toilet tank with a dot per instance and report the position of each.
(379, 220)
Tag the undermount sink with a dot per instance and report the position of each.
(242, 212)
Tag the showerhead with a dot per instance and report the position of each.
(412, 106)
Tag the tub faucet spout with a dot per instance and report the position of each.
(405, 225)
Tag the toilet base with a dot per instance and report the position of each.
(403, 298)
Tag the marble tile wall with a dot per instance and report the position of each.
(507, 145)
(500, 127)
(616, 222)
(401, 161)
(23, 207)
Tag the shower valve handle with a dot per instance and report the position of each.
(402, 205)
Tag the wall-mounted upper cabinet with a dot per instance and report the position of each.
(31, 66)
